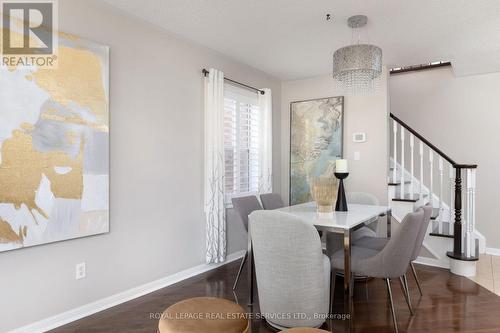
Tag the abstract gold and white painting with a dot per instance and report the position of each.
(54, 147)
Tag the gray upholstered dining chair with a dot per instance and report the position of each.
(293, 274)
(271, 201)
(243, 206)
(389, 263)
(375, 243)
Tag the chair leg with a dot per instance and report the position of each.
(405, 280)
(393, 311)
(333, 275)
(416, 278)
(406, 292)
(239, 271)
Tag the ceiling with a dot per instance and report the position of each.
(291, 39)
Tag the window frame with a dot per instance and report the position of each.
(250, 101)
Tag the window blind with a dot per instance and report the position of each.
(241, 142)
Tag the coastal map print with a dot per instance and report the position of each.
(316, 129)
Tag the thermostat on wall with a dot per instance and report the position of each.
(359, 137)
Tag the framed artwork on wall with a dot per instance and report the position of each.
(54, 147)
(316, 142)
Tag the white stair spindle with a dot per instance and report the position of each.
(421, 152)
(452, 196)
(467, 222)
(463, 214)
(473, 210)
(412, 145)
(431, 174)
(402, 162)
(395, 149)
(470, 243)
(440, 220)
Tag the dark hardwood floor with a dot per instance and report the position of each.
(450, 304)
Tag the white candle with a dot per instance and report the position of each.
(341, 166)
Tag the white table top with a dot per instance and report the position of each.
(357, 214)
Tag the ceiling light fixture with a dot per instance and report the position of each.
(356, 67)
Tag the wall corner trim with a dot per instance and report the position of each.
(67, 317)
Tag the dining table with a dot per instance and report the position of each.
(338, 222)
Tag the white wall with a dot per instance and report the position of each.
(157, 224)
(367, 114)
(461, 116)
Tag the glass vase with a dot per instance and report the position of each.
(324, 193)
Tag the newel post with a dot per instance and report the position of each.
(457, 241)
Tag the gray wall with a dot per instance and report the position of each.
(367, 114)
(157, 222)
(460, 115)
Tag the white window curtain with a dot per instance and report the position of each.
(266, 142)
(215, 211)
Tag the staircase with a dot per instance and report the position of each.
(421, 173)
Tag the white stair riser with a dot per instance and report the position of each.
(439, 245)
(401, 208)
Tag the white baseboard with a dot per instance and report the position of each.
(433, 262)
(64, 318)
(493, 251)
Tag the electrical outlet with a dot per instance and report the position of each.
(80, 271)
(357, 156)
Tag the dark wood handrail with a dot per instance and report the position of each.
(433, 147)
(419, 68)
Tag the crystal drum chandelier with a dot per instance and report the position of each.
(356, 67)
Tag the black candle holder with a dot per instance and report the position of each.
(341, 205)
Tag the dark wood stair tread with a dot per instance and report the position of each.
(397, 183)
(436, 234)
(461, 256)
(407, 197)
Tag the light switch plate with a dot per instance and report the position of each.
(357, 156)
(80, 271)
